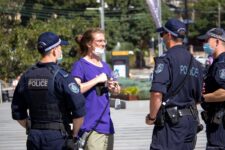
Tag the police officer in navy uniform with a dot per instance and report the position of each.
(52, 98)
(176, 88)
(214, 90)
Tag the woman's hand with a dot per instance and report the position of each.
(113, 86)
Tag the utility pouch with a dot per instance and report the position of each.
(218, 117)
(28, 126)
(173, 115)
(204, 116)
(160, 119)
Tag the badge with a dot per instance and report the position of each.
(159, 68)
(74, 88)
(222, 73)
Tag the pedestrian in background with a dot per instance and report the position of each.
(95, 79)
(214, 90)
(52, 98)
(176, 88)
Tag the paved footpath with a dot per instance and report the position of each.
(131, 131)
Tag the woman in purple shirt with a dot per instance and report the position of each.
(92, 75)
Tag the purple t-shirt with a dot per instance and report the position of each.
(95, 104)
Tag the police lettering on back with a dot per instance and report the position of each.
(194, 72)
(38, 83)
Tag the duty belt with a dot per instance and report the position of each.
(185, 112)
(48, 126)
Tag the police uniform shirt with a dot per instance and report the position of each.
(170, 70)
(65, 87)
(215, 78)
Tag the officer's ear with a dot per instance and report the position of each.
(54, 51)
(217, 42)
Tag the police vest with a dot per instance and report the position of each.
(44, 104)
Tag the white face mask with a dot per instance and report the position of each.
(99, 51)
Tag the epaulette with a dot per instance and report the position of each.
(163, 55)
(221, 61)
(63, 73)
(31, 68)
(34, 67)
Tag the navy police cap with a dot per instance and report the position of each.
(48, 41)
(173, 26)
(217, 33)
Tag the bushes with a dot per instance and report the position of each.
(140, 88)
(131, 90)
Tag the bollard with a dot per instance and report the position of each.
(0, 92)
(5, 96)
(117, 104)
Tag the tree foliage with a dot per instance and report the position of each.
(22, 21)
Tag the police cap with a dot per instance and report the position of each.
(174, 27)
(47, 41)
(217, 33)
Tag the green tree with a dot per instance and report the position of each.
(206, 16)
(128, 22)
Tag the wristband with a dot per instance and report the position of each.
(150, 118)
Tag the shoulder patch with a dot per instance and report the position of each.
(222, 73)
(159, 68)
(164, 54)
(74, 88)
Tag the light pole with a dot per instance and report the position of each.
(102, 13)
(160, 22)
(102, 18)
(187, 20)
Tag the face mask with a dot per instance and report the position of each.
(164, 44)
(59, 59)
(208, 49)
(99, 51)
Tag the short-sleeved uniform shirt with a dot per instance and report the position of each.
(215, 77)
(65, 86)
(95, 104)
(170, 70)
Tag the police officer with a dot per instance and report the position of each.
(215, 89)
(52, 97)
(176, 86)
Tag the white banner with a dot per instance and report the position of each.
(154, 9)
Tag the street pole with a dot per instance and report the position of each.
(102, 13)
(219, 15)
(102, 19)
(160, 23)
(187, 20)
